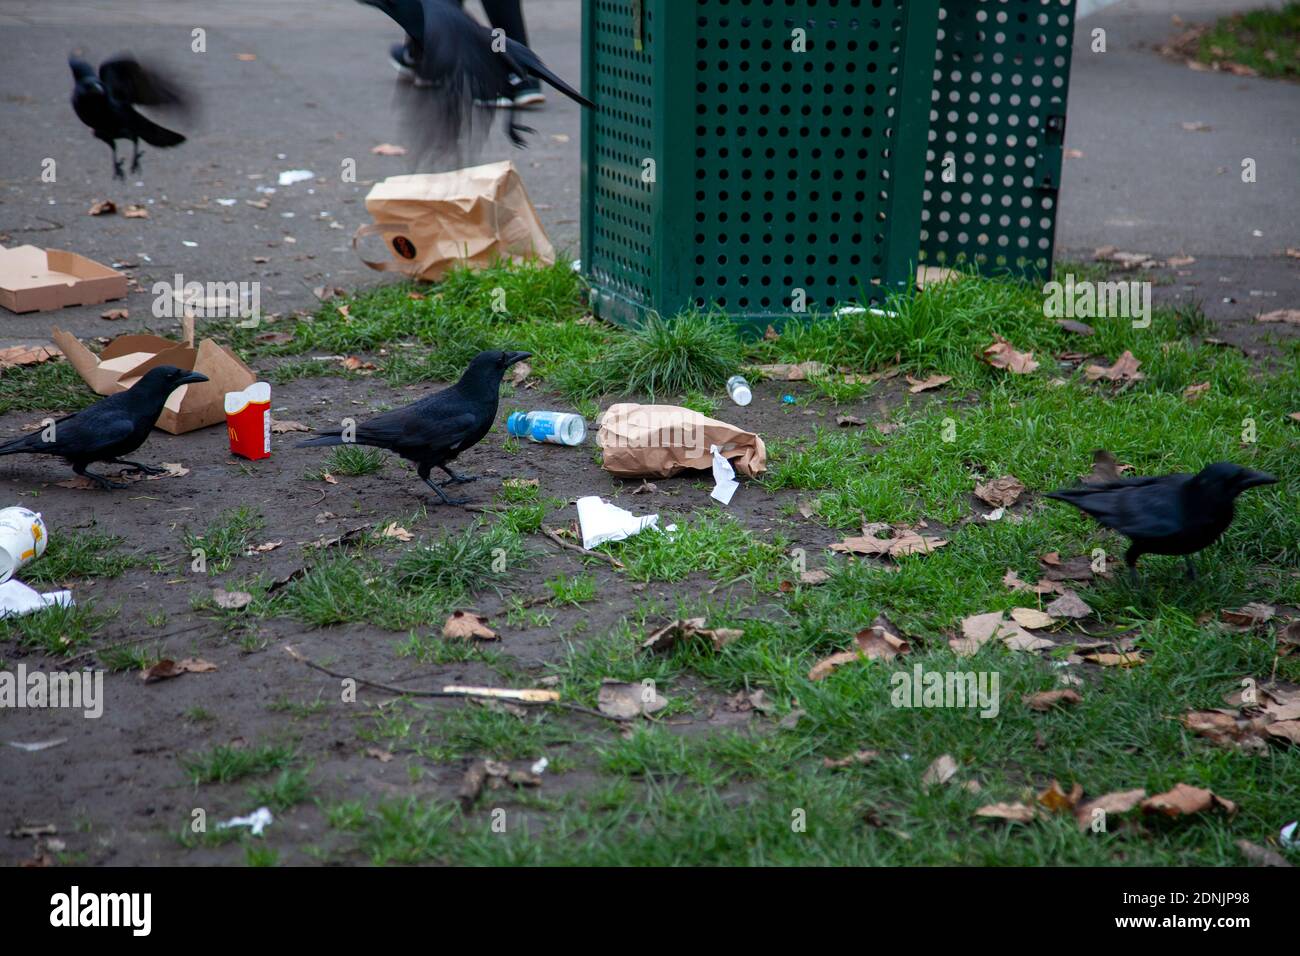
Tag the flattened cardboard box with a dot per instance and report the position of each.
(33, 279)
(128, 357)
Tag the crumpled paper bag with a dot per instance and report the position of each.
(659, 441)
(434, 221)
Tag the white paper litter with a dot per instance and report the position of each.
(291, 176)
(995, 515)
(539, 768)
(227, 202)
(256, 821)
(724, 478)
(601, 521)
(18, 599)
(1288, 835)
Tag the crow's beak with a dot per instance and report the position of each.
(1252, 478)
(191, 378)
(513, 358)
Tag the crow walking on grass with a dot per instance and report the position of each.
(1169, 514)
(466, 67)
(112, 427)
(437, 428)
(106, 103)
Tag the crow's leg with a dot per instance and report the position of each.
(457, 479)
(135, 155)
(106, 483)
(137, 466)
(1191, 567)
(1131, 559)
(424, 476)
(117, 163)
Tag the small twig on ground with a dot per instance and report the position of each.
(556, 539)
(408, 692)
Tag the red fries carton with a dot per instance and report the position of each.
(248, 418)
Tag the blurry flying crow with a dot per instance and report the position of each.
(112, 427)
(1170, 514)
(437, 428)
(106, 103)
(466, 65)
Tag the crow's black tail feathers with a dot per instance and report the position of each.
(152, 133)
(531, 62)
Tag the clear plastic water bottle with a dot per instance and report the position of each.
(555, 428)
(739, 390)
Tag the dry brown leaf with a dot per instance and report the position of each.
(388, 149)
(231, 600)
(466, 625)
(1069, 605)
(1121, 801)
(1078, 328)
(1289, 316)
(814, 577)
(925, 385)
(519, 373)
(394, 530)
(1285, 730)
(1001, 354)
(858, 759)
(846, 421)
(1031, 618)
(1193, 392)
(1013, 812)
(102, 207)
(263, 548)
(281, 427)
(136, 212)
(113, 315)
(793, 372)
(1047, 699)
(27, 355)
(1016, 638)
(1125, 369)
(1261, 855)
(903, 543)
(941, 771)
(1250, 615)
(273, 338)
(976, 631)
(1184, 800)
(383, 756)
(665, 637)
(1129, 659)
(246, 57)
(1000, 492)
(166, 669)
(625, 701)
(1058, 801)
(172, 469)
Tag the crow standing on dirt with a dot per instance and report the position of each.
(437, 428)
(106, 104)
(1169, 514)
(466, 65)
(112, 427)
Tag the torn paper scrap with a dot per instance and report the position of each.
(601, 521)
(257, 821)
(17, 599)
(724, 477)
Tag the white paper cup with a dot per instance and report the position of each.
(22, 540)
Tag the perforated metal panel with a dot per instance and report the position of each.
(1001, 80)
(782, 161)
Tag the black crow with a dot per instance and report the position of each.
(105, 102)
(112, 427)
(437, 428)
(1169, 514)
(466, 65)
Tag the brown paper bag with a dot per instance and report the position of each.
(433, 221)
(659, 441)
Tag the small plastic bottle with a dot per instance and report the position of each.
(739, 390)
(555, 428)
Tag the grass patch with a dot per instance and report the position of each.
(351, 461)
(225, 763)
(226, 538)
(1267, 41)
(81, 554)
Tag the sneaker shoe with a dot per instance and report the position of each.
(525, 93)
(399, 54)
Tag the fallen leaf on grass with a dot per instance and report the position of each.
(1058, 801)
(263, 548)
(941, 771)
(1193, 392)
(1289, 316)
(1045, 700)
(925, 385)
(1069, 605)
(273, 338)
(383, 756)
(231, 600)
(1000, 492)
(1078, 328)
(845, 421)
(465, 625)
(1121, 801)
(1129, 659)
(880, 641)
(976, 631)
(1249, 615)
(1185, 800)
(1261, 855)
(354, 364)
(799, 372)
(861, 758)
(1002, 354)
(388, 149)
(903, 543)
(1012, 580)
(1016, 638)
(1078, 568)
(1031, 618)
(1013, 812)
(1124, 370)
(167, 668)
(814, 577)
(27, 355)
(102, 207)
(281, 427)
(1227, 729)
(625, 701)
(394, 530)
(519, 374)
(665, 637)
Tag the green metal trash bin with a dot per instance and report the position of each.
(761, 157)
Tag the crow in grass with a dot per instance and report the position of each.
(466, 66)
(437, 428)
(112, 427)
(106, 103)
(1169, 514)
